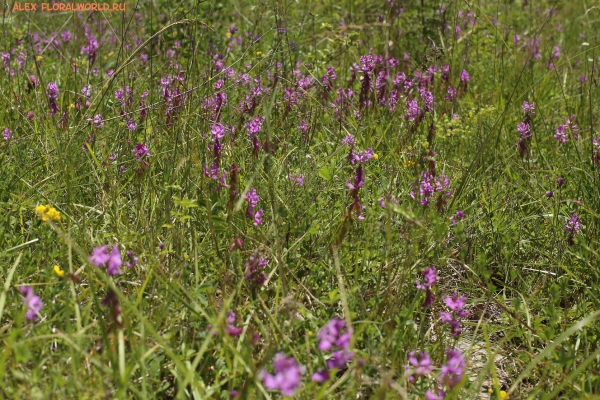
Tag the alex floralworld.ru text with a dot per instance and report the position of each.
(69, 7)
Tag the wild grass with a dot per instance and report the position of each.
(270, 170)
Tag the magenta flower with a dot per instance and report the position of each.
(297, 179)
(349, 140)
(254, 125)
(332, 335)
(140, 151)
(52, 91)
(218, 131)
(359, 179)
(255, 270)
(320, 376)
(287, 375)
(459, 215)
(101, 257)
(464, 76)
(422, 363)
(131, 125)
(455, 303)
(232, 330)
(7, 134)
(453, 371)
(97, 121)
(252, 198)
(32, 302)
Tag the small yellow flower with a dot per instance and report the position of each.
(40, 58)
(376, 156)
(259, 53)
(47, 213)
(71, 105)
(228, 34)
(111, 53)
(58, 271)
(503, 394)
(309, 333)
(490, 391)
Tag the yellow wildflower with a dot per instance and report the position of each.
(259, 53)
(309, 333)
(58, 271)
(228, 34)
(47, 213)
(503, 394)
(40, 58)
(376, 156)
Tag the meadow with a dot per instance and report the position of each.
(307, 199)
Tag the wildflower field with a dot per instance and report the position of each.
(325, 199)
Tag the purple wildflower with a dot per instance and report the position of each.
(303, 127)
(218, 131)
(254, 125)
(32, 302)
(422, 363)
(349, 140)
(573, 225)
(101, 257)
(411, 112)
(297, 179)
(140, 151)
(66, 36)
(524, 130)
(453, 371)
(232, 330)
(131, 124)
(528, 107)
(97, 121)
(287, 375)
(329, 335)
(320, 376)
(549, 194)
(459, 215)
(7, 134)
(359, 179)
(255, 270)
(464, 76)
(430, 277)
(560, 181)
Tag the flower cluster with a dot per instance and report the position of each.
(255, 270)
(297, 179)
(52, 93)
(573, 227)
(429, 185)
(459, 215)
(47, 213)
(287, 375)
(334, 336)
(451, 374)
(524, 129)
(232, 330)
(430, 277)
(453, 318)
(562, 131)
(32, 302)
(421, 364)
(252, 198)
(103, 257)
